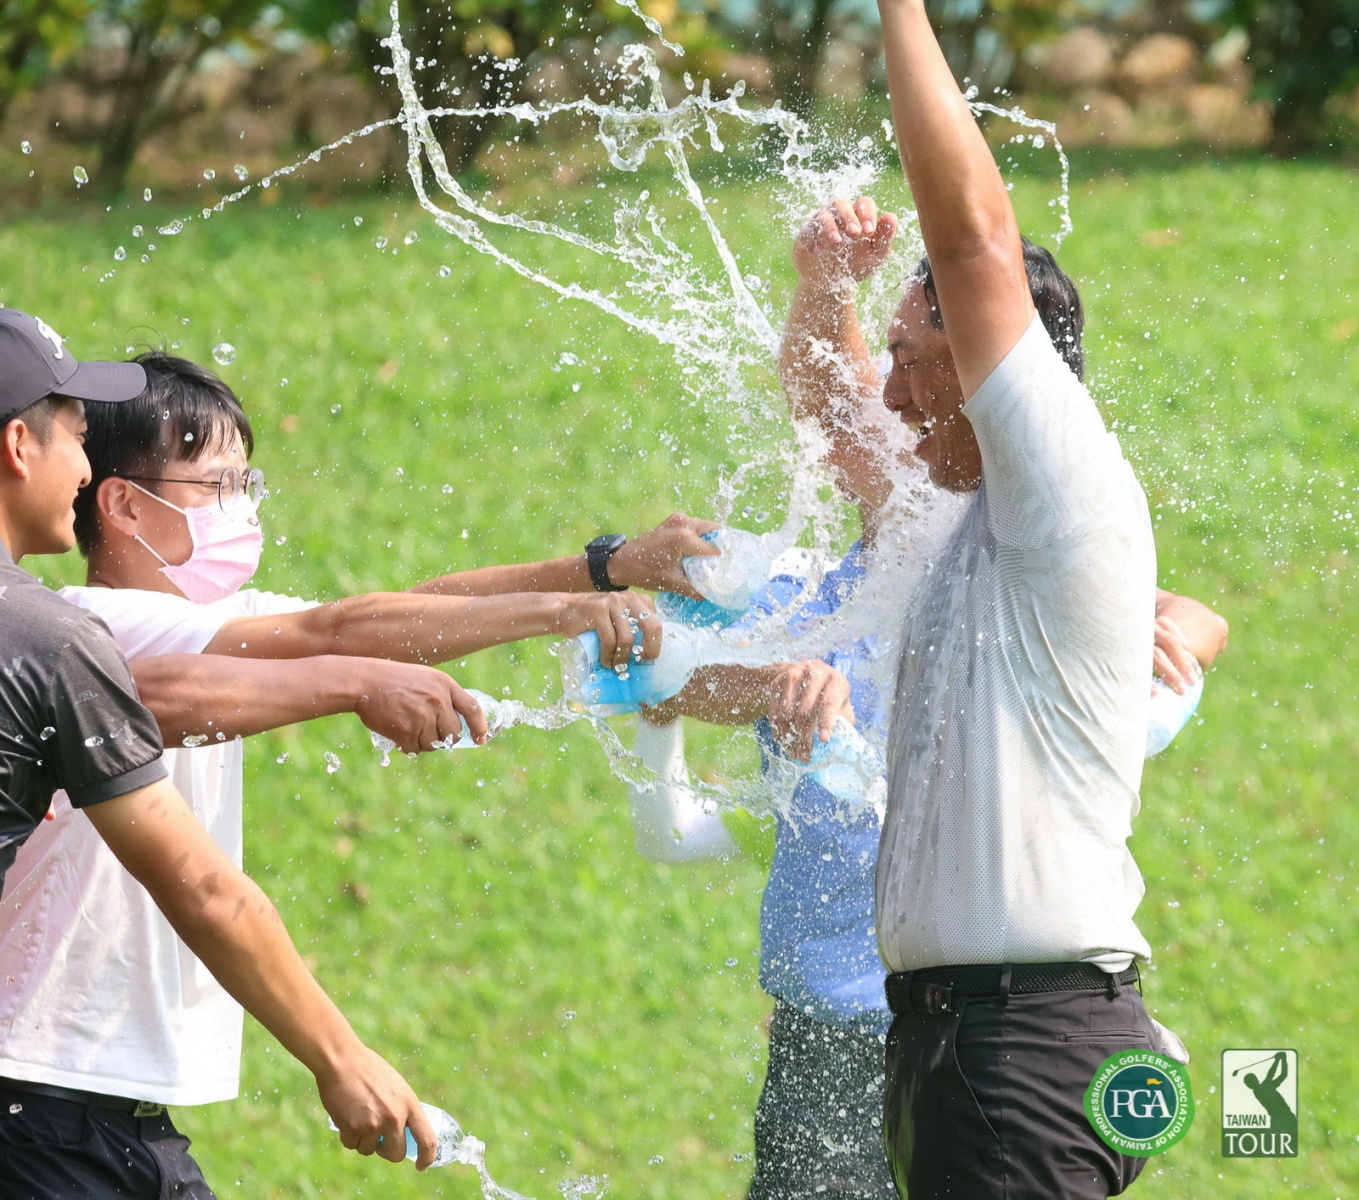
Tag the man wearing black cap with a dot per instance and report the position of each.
(70, 719)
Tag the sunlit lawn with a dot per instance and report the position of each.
(483, 918)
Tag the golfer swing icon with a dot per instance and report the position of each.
(1246, 1133)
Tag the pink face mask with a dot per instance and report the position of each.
(226, 550)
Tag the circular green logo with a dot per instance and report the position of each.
(1140, 1103)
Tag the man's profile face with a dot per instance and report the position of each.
(58, 470)
(922, 388)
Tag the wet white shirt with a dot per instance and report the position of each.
(1022, 701)
(97, 992)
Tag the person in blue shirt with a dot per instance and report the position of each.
(818, 1124)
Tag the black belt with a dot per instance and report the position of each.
(931, 991)
(136, 1108)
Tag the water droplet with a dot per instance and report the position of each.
(411, 238)
(358, 221)
(568, 359)
(120, 253)
(209, 174)
(464, 535)
(82, 176)
(334, 408)
(655, 1160)
(223, 354)
(381, 243)
(731, 962)
(136, 231)
(332, 762)
(569, 1014)
(266, 182)
(281, 540)
(445, 272)
(241, 172)
(195, 739)
(174, 227)
(146, 195)
(47, 732)
(94, 741)
(448, 489)
(282, 758)
(146, 258)
(221, 737)
(26, 146)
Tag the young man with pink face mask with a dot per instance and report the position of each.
(170, 527)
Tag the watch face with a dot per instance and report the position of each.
(607, 541)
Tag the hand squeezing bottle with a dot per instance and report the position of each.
(500, 715)
(607, 692)
(726, 581)
(448, 1137)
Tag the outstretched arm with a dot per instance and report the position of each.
(965, 215)
(414, 627)
(230, 924)
(824, 363)
(650, 561)
(217, 696)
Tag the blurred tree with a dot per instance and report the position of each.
(35, 36)
(1304, 52)
(158, 43)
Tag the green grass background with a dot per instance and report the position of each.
(503, 892)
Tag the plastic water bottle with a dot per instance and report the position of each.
(499, 715)
(846, 766)
(1170, 712)
(726, 581)
(448, 1137)
(607, 692)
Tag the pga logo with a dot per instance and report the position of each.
(1140, 1103)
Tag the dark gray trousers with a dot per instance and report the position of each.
(818, 1127)
(989, 1102)
(52, 1149)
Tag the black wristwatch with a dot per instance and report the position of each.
(597, 555)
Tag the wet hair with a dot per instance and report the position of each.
(186, 413)
(1054, 296)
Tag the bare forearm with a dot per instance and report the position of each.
(196, 695)
(954, 181)
(398, 626)
(569, 574)
(824, 362)
(721, 695)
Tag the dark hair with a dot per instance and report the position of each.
(1054, 296)
(41, 416)
(185, 413)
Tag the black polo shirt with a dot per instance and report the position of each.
(69, 713)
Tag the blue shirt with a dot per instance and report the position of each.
(818, 947)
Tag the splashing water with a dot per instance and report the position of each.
(688, 291)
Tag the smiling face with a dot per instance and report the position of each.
(922, 389)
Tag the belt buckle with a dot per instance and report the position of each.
(146, 1109)
(937, 999)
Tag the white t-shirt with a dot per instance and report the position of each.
(96, 990)
(1021, 708)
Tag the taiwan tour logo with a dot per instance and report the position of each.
(1140, 1103)
(1260, 1103)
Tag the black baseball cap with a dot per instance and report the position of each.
(35, 363)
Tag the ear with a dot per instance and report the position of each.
(17, 448)
(119, 505)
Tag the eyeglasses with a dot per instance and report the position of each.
(233, 486)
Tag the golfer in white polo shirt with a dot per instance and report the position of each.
(1005, 887)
